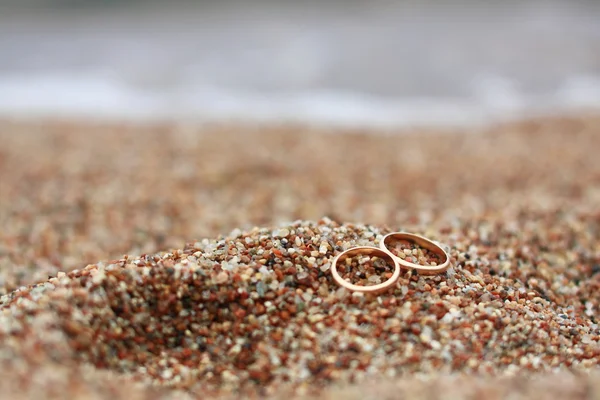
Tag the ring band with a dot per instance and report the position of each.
(424, 243)
(366, 250)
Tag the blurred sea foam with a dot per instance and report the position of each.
(343, 62)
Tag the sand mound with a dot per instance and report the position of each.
(259, 311)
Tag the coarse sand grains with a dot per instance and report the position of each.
(253, 311)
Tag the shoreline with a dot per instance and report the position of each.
(383, 63)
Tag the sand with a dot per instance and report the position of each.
(166, 261)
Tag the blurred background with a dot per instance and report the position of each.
(342, 62)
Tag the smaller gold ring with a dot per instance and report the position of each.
(424, 243)
(365, 250)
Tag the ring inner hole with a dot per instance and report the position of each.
(365, 269)
(412, 252)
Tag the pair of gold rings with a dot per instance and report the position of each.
(405, 257)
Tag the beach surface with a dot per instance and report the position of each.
(173, 260)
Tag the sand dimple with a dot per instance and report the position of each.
(259, 313)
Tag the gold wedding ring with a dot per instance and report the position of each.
(386, 254)
(423, 243)
(366, 250)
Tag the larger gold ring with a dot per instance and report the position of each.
(365, 250)
(424, 243)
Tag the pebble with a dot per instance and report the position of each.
(281, 233)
